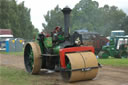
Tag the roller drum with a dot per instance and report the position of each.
(78, 61)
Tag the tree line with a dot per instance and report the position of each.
(85, 15)
(17, 18)
(88, 15)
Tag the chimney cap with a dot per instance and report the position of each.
(66, 10)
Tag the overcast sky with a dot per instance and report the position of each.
(40, 7)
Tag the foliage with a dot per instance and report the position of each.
(88, 15)
(53, 18)
(17, 18)
(124, 25)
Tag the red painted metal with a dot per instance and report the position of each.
(73, 49)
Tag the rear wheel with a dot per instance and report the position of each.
(32, 60)
(103, 54)
(123, 54)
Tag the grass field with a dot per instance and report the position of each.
(13, 76)
(13, 53)
(114, 62)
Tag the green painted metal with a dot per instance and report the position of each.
(48, 42)
(105, 55)
(56, 49)
(60, 37)
(112, 49)
(68, 66)
(124, 54)
(41, 46)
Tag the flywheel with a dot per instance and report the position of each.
(32, 58)
(80, 66)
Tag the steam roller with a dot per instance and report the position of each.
(63, 52)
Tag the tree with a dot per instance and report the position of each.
(88, 15)
(53, 18)
(111, 19)
(124, 25)
(84, 15)
(17, 18)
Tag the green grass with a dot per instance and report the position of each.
(13, 53)
(114, 62)
(13, 76)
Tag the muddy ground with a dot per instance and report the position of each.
(107, 75)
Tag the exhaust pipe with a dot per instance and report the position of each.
(66, 11)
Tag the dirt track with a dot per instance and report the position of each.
(107, 75)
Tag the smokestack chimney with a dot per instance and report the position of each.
(66, 11)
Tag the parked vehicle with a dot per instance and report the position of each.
(93, 39)
(118, 46)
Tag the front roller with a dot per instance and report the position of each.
(32, 60)
(80, 66)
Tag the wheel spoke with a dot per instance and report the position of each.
(31, 60)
